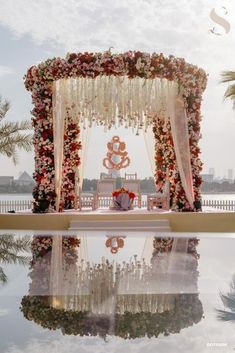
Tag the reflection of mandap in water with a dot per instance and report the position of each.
(124, 301)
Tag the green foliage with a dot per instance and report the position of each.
(13, 135)
(12, 251)
(229, 76)
(229, 303)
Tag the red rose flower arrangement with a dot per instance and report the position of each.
(122, 190)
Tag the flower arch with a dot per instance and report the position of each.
(134, 69)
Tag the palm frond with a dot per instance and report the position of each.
(8, 257)
(10, 128)
(230, 92)
(3, 276)
(224, 315)
(227, 76)
(12, 243)
(4, 107)
(228, 300)
(13, 135)
(10, 144)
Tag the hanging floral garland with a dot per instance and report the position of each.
(39, 79)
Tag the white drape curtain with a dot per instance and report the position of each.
(65, 97)
(56, 272)
(164, 100)
(72, 101)
(59, 112)
(85, 139)
(180, 134)
(149, 140)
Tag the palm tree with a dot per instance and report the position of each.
(229, 302)
(13, 135)
(12, 251)
(229, 76)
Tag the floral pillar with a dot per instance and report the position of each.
(44, 191)
(165, 157)
(193, 106)
(71, 161)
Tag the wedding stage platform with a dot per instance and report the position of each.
(210, 220)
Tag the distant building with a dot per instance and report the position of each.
(111, 174)
(207, 177)
(103, 175)
(212, 171)
(6, 180)
(230, 174)
(24, 179)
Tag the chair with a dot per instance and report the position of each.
(160, 199)
(86, 201)
(105, 188)
(133, 185)
(131, 176)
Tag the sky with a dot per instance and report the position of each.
(32, 31)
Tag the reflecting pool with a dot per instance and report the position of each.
(116, 291)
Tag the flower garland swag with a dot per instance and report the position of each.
(39, 80)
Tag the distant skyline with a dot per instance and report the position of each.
(46, 29)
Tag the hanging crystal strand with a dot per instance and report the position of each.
(138, 102)
(120, 100)
(110, 101)
(125, 96)
(86, 98)
(149, 107)
(115, 107)
(163, 103)
(115, 110)
(141, 106)
(113, 102)
(150, 101)
(90, 97)
(73, 100)
(98, 100)
(82, 99)
(78, 98)
(129, 101)
(101, 92)
(144, 102)
(105, 100)
(93, 98)
(134, 96)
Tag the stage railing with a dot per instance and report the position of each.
(20, 205)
